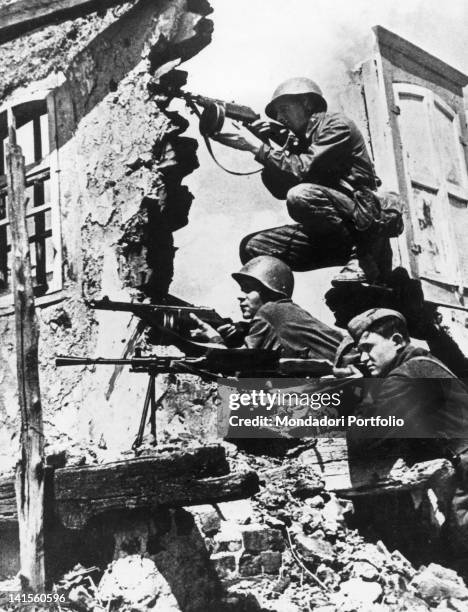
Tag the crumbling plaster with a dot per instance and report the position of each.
(121, 161)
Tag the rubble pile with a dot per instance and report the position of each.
(324, 565)
(287, 549)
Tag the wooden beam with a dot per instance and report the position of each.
(135, 478)
(29, 481)
(81, 493)
(422, 475)
(74, 508)
(24, 16)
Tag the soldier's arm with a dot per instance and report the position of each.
(331, 147)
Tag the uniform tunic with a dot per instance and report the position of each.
(318, 178)
(287, 327)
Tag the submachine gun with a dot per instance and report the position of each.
(212, 113)
(174, 320)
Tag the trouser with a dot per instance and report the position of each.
(324, 234)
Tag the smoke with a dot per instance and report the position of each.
(258, 43)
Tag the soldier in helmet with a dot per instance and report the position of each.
(328, 181)
(275, 321)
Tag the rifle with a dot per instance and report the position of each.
(215, 363)
(175, 319)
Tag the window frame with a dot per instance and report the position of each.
(48, 164)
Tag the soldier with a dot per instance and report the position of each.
(275, 322)
(417, 387)
(328, 182)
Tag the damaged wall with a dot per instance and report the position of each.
(118, 161)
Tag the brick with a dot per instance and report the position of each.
(271, 561)
(224, 564)
(229, 539)
(258, 538)
(250, 565)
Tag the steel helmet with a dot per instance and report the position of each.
(295, 87)
(270, 272)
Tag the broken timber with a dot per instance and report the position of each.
(350, 476)
(30, 473)
(21, 17)
(182, 478)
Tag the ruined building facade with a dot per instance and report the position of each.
(104, 166)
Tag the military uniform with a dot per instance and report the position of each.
(319, 178)
(434, 404)
(288, 328)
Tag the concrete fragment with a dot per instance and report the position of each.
(357, 592)
(326, 574)
(250, 565)
(311, 520)
(271, 561)
(401, 564)
(314, 548)
(210, 523)
(364, 570)
(224, 564)
(316, 502)
(408, 602)
(136, 581)
(434, 583)
(229, 539)
(239, 510)
(260, 537)
(372, 554)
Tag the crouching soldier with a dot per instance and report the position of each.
(413, 385)
(327, 178)
(275, 322)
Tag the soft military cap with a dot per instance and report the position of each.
(361, 323)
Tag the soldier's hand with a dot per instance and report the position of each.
(227, 329)
(242, 139)
(203, 331)
(349, 371)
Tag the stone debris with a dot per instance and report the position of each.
(289, 548)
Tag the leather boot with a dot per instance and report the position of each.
(370, 262)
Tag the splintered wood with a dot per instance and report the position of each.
(30, 468)
(173, 479)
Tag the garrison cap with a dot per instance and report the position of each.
(361, 323)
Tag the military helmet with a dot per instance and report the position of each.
(297, 86)
(272, 273)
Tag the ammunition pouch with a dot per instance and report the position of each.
(381, 215)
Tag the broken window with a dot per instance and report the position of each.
(31, 120)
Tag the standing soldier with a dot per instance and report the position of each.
(327, 179)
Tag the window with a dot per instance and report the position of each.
(31, 120)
